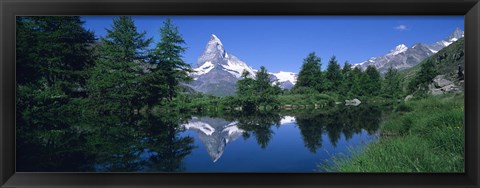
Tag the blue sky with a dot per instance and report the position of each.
(282, 42)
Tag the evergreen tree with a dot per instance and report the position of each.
(372, 81)
(310, 75)
(264, 89)
(424, 77)
(347, 80)
(391, 86)
(333, 75)
(116, 78)
(357, 82)
(246, 91)
(53, 52)
(168, 56)
(262, 81)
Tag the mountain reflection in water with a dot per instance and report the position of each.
(215, 133)
(294, 141)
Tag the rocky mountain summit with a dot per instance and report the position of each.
(217, 71)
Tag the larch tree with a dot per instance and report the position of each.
(167, 56)
(116, 78)
(310, 75)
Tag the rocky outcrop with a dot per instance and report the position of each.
(409, 97)
(441, 85)
(354, 102)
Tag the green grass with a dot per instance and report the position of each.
(429, 138)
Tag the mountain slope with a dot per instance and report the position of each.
(448, 62)
(403, 57)
(218, 71)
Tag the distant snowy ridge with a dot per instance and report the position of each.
(402, 57)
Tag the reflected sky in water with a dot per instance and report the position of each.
(286, 151)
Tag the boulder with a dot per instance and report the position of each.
(440, 81)
(354, 102)
(440, 85)
(409, 97)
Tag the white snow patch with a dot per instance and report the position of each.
(398, 49)
(215, 39)
(232, 130)
(201, 126)
(287, 119)
(283, 76)
(236, 68)
(445, 43)
(433, 51)
(204, 69)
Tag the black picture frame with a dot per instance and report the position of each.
(10, 8)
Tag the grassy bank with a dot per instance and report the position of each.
(425, 135)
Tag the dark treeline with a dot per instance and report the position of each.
(346, 82)
(60, 62)
(67, 79)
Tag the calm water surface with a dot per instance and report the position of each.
(225, 149)
(299, 141)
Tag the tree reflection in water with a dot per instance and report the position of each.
(64, 140)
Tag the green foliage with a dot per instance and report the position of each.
(424, 77)
(116, 78)
(333, 76)
(347, 81)
(430, 139)
(310, 74)
(450, 61)
(371, 81)
(305, 99)
(52, 57)
(391, 87)
(167, 56)
(357, 81)
(53, 51)
(251, 93)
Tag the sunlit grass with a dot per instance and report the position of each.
(428, 137)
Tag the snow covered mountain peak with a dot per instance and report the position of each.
(402, 57)
(398, 49)
(214, 50)
(215, 39)
(283, 76)
(218, 71)
(457, 34)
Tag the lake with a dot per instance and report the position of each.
(286, 141)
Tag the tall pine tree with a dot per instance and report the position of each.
(347, 80)
(53, 52)
(333, 76)
(310, 75)
(168, 58)
(372, 81)
(424, 77)
(357, 82)
(116, 78)
(391, 85)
